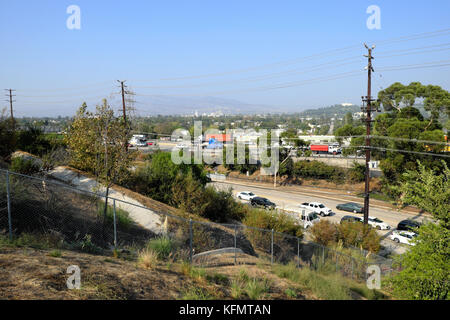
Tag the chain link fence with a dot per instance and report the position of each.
(92, 222)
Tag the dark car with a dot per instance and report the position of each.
(262, 202)
(408, 225)
(351, 207)
(350, 219)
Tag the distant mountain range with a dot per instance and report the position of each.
(170, 105)
(337, 110)
(183, 105)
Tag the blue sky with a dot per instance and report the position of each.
(54, 69)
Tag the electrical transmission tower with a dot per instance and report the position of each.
(367, 107)
(126, 101)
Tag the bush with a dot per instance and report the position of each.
(7, 136)
(359, 235)
(324, 232)
(147, 259)
(263, 219)
(123, 219)
(357, 173)
(318, 170)
(162, 246)
(34, 141)
(425, 266)
(23, 166)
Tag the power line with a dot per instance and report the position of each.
(437, 33)
(318, 67)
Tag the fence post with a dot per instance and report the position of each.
(235, 244)
(115, 224)
(190, 240)
(8, 197)
(271, 250)
(298, 252)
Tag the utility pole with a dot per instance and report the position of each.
(124, 109)
(367, 100)
(10, 96)
(122, 85)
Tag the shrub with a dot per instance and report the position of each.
(147, 259)
(291, 293)
(324, 232)
(86, 245)
(318, 170)
(23, 166)
(123, 219)
(357, 173)
(162, 246)
(425, 274)
(34, 141)
(263, 219)
(358, 235)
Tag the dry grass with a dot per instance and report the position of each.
(147, 259)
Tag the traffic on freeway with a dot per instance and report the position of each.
(385, 220)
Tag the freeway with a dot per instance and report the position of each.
(290, 200)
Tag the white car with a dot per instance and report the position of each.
(246, 195)
(403, 237)
(182, 146)
(136, 142)
(317, 207)
(308, 219)
(376, 223)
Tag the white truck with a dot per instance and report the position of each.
(308, 218)
(318, 208)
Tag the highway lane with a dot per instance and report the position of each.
(290, 201)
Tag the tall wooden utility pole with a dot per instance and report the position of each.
(123, 86)
(10, 96)
(367, 100)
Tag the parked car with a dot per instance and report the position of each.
(351, 207)
(246, 195)
(376, 223)
(262, 202)
(403, 237)
(408, 225)
(317, 207)
(309, 219)
(350, 219)
(135, 142)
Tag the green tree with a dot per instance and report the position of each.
(7, 136)
(426, 266)
(96, 144)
